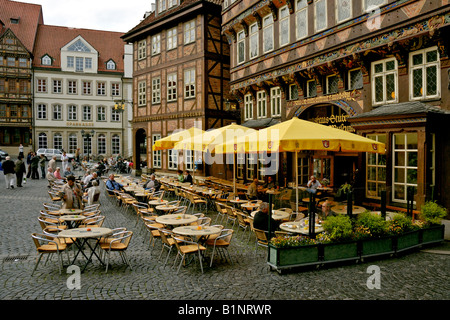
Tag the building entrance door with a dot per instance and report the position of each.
(345, 169)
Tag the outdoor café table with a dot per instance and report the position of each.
(276, 214)
(250, 206)
(66, 211)
(85, 234)
(157, 202)
(342, 209)
(236, 202)
(301, 227)
(273, 191)
(166, 208)
(176, 219)
(201, 232)
(72, 220)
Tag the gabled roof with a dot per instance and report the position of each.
(51, 39)
(29, 17)
(399, 109)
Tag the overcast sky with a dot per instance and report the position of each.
(109, 15)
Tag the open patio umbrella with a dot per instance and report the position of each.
(208, 140)
(169, 141)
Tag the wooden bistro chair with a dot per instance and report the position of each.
(261, 239)
(187, 247)
(221, 244)
(48, 244)
(119, 244)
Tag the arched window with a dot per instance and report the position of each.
(57, 141)
(101, 144)
(73, 143)
(42, 140)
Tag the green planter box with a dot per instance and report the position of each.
(408, 241)
(294, 256)
(376, 247)
(434, 234)
(334, 252)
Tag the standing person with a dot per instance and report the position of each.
(8, 170)
(20, 170)
(29, 156)
(72, 195)
(52, 163)
(42, 165)
(21, 150)
(65, 161)
(77, 155)
(34, 166)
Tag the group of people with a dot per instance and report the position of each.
(184, 178)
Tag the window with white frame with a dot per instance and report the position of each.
(22, 62)
(404, 173)
(253, 41)
(156, 154)
(172, 87)
(301, 19)
(142, 49)
(261, 104)
(41, 111)
(57, 112)
(284, 26)
(355, 79)
(57, 86)
(79, 64)
(189, 83)
(320, 14)
(70, 62)
(384, 81)
(115, 89)
(162, 5)
(275, 101)
(171, 3)
(110, 65)
(240, 165)
(73, 143)
(101, 144)
(41, 86)
(311, 88)
(343, 10)
(248, 107)
(142, 93)
(251, 159)
(332, 82)
(72, 112)
(156, 90)
(156, 44)
(42, 141)
(87, 144)
(373, 3)
(72, 87)
(87, 87)
(57, 141)
(171, 38)
(46, 61)
(424, 74)
(375, 170)
(88, 64)
(101, 113)
(101, 88)
(115, 115)
(189, 32)
(241, 47)
(172, 159)
(87, 113)
(293, 92)
(303, 169)
(189, 159)
(115, 144)
(268, 33)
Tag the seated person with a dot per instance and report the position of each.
(187, 177)
(252, 191)
(51, 177)
(260, 220)
(92, 192)
(68, 172)
(152, 183)
(180, 176)
(94, 177)
(271, 184)
(112, 184)
(312, 185)
(57, 173)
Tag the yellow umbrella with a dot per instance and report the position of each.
(169, 141)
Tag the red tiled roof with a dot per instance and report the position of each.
(30, 16)
(50, 40)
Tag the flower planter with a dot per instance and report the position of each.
(376, 247)
(334, 252)
(434, 234)
(408, 240)
(280, 258)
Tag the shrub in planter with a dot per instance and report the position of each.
(285, 251)
(371, 230)
(374, 224)
(339, 228)
(341, 245)
(432, 213)
(406, 232)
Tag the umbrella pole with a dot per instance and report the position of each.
(234, 174)
(296, 181)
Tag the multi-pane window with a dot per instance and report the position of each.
(2, 85)
(11, 62)
(115, 144)
(57, 86)
(42, 141)
(240, 164)
(22, 62)
(320, 16)
(101, 113)
(293, 92)
(161, 5)
(142, 93)
(23, 86)
(248, 107)
(241, 47)
(405, 151)
(46, 61)
(343, 10)
(70, 62)
(115, 89)
(189, 159)
(57, 141)
(142, 49)
(87, 113)
(101, 88)
(250, 165)
(115, 115)
(424, 74)
(12, 85)
(88, 63)
(111, 65)
(72, 87)
(189, 32)
(261, 104)
(355, 79)
(41, 85)
(87, 145)
(72, 113)
(41, 111)
(171, 3)
(284, 26)
(171, 38)
(275, 101)
(332, 84)
(79, 64)
(25, 113)
(268, 33)
(384, 81)
(254, 41)
(189, 83)
(172, 159)
(156, 44)
(156, 90)
(156, 154)
(376, 170)
(57, 112)
(87, 87)
(303, 169)
(13, 111)
(101, 144)
(311, 88)
(73, 143)
(172, 87)
(301, 19)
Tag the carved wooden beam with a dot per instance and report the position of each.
(291, 6)
(274, 10)
(258, 19)
(245, 26)
(279, 81)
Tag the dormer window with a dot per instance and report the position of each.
(78, 46)
(46, 60)
(110, 65)
(15, 20)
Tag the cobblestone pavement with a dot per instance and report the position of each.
(415, 276)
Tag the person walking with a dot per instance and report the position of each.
(72, 195)
(65, 161)
(21, 150)
(42, 166)
(8, 170)
(20, 170)
(34, 167)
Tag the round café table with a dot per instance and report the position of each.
(342, 209)
(72, 220)
(196, 231)
(250, 206)
(157, 202)
(176, 219)
(276, 214)
(85, 234)
(301, 227)
(67, 211)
